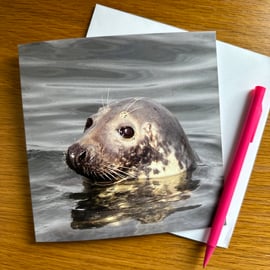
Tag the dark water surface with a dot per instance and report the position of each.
(64, 82)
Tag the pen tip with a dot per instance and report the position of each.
(208, 253)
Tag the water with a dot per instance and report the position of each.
(63, 82)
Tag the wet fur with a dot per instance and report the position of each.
(159, 147)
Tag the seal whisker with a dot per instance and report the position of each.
(95, 174)
(135, 109)
(121, 173)
(102, 101)
(102, 176)
(122, 168)
(128, 174)
(118, 174)
(121, 177)
(108, 96)
(109, 176)
(112, 172)
(107, 102)
(132, 102)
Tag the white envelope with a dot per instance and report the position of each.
(239, 71)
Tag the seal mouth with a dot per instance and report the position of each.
(83, 162)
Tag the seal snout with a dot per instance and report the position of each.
(76, 157)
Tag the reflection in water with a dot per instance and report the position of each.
(146, 201)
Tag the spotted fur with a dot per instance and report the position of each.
(156, 147)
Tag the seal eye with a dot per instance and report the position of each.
(88, 124)
(126, 132)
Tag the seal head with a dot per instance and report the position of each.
(130, 139)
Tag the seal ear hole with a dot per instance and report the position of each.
(88, 124)
(126, 132)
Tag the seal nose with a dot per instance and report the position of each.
(76, 156)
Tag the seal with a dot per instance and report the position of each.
(134, 138)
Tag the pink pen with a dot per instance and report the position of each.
(246, 137)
